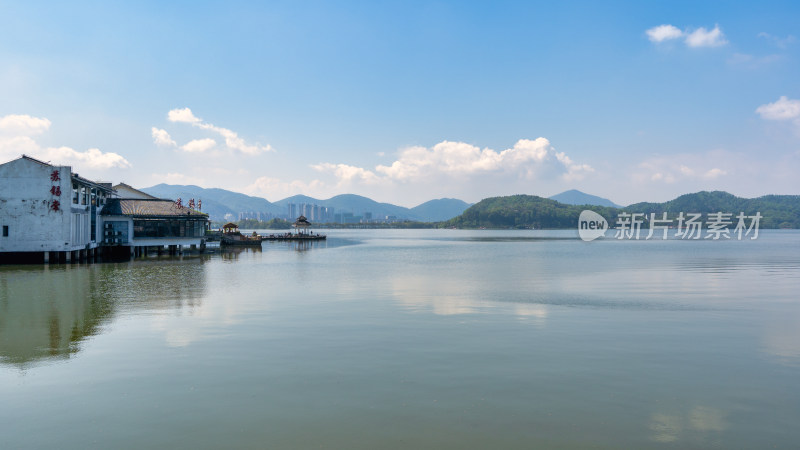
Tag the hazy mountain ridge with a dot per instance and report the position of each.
(216, 202)
(523, 211)
(778, 211)
(528, 211)
(219, 202)
(352, 203)
(518, 211)
(576, 197)
(440, 209)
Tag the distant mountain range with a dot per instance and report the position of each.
(440, 209)
(576, 197)
(523, 211)
(216, 202)
(530, 211)
(219, 202)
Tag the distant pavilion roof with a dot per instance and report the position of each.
(301, 222)
(155, 208)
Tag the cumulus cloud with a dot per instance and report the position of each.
(182, 115)
(232, 139)
(16, 140)
(663, 33)
(783, 109)
(199, 145)
(92, 158)
(14, 146)
(347, 173)
(527, 159)
(162, 138)
(702, 37)
(23, 125)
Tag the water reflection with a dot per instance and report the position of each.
(781, 337)
(48, 313)
(48, 316)
(302, 246)
(698, 424)
(234, 253)
(445, 296)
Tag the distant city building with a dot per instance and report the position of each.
(255, 215)
(314, 212)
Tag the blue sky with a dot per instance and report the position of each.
(409, 101)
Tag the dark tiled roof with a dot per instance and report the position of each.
(149, 208)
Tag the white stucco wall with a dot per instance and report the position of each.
(26, 207)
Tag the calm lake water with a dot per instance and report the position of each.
(410, 339)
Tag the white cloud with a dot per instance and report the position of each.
(162, 138)
(663, 33)
(16, 146)
(347, 173)
(16, 140)
(574, 171)
(182, 115)
(23, 125)
(527, 158)
(234, 142)
(199, 145)
(783, 109)
(702, 37)
(461, 167)
(232, 139)
(92, 158)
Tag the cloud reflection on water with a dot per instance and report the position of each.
(700, 419)
(446, 297)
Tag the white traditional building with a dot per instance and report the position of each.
(48, 213)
